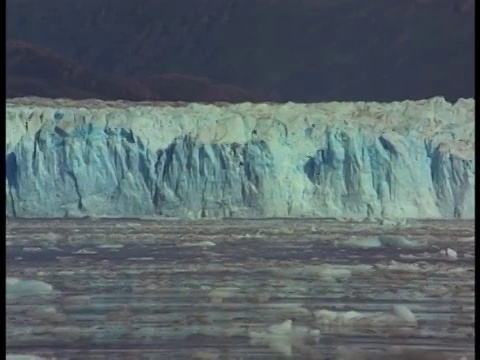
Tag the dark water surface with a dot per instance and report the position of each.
(142, 289)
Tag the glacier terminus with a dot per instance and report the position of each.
(410, 159)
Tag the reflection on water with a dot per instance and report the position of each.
(240, 289)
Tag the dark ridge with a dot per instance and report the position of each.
(302, 51)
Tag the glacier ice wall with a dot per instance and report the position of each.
(411, 159)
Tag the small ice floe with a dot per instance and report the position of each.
(324, 272)
(435, 290)
(19, 287)
(400, 315)
(410, 257)
(110, 246)
(198, 244)
(397, 241)
(141, 258)
(46, 313)
(450, 254)
(284, 336)
(359, 242)
(210, 354)
(405, 314)
(295, 310)
(219, 294)
(85, 252)
(23, 357)
(32, 249)
(281, 329)
(54, 248)
(246, 236)
(389, 222)
(403, 267)
(329, 318)
(394, 241)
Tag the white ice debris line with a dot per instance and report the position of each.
(284, 337)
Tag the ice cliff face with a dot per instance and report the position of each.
(412, 159)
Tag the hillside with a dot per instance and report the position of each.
(35, 71)
(307, 50)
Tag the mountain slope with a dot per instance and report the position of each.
(307, 50)
(35, 71)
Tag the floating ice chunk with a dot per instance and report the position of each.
(450, 254)
(110, 246)
(281, 347)
(282, 328)
(401, 267)
(397, 241)
(338, 318)
(351, 315)
(32, 249)
(284, 336)
(360, 242)
(296, 310)
(219, 294)
(85, 252)
(404, 313)
(23, 357)
(19, 287)
(326, 316)
(304, 332)
(54, 248)
(45, 312)
(324, 271)
(397, 223)
(435, 290)
(355, 319)
(199, 244)
(331, 272)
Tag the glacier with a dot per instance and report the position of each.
(409, 159)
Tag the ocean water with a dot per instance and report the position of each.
(240, 289)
